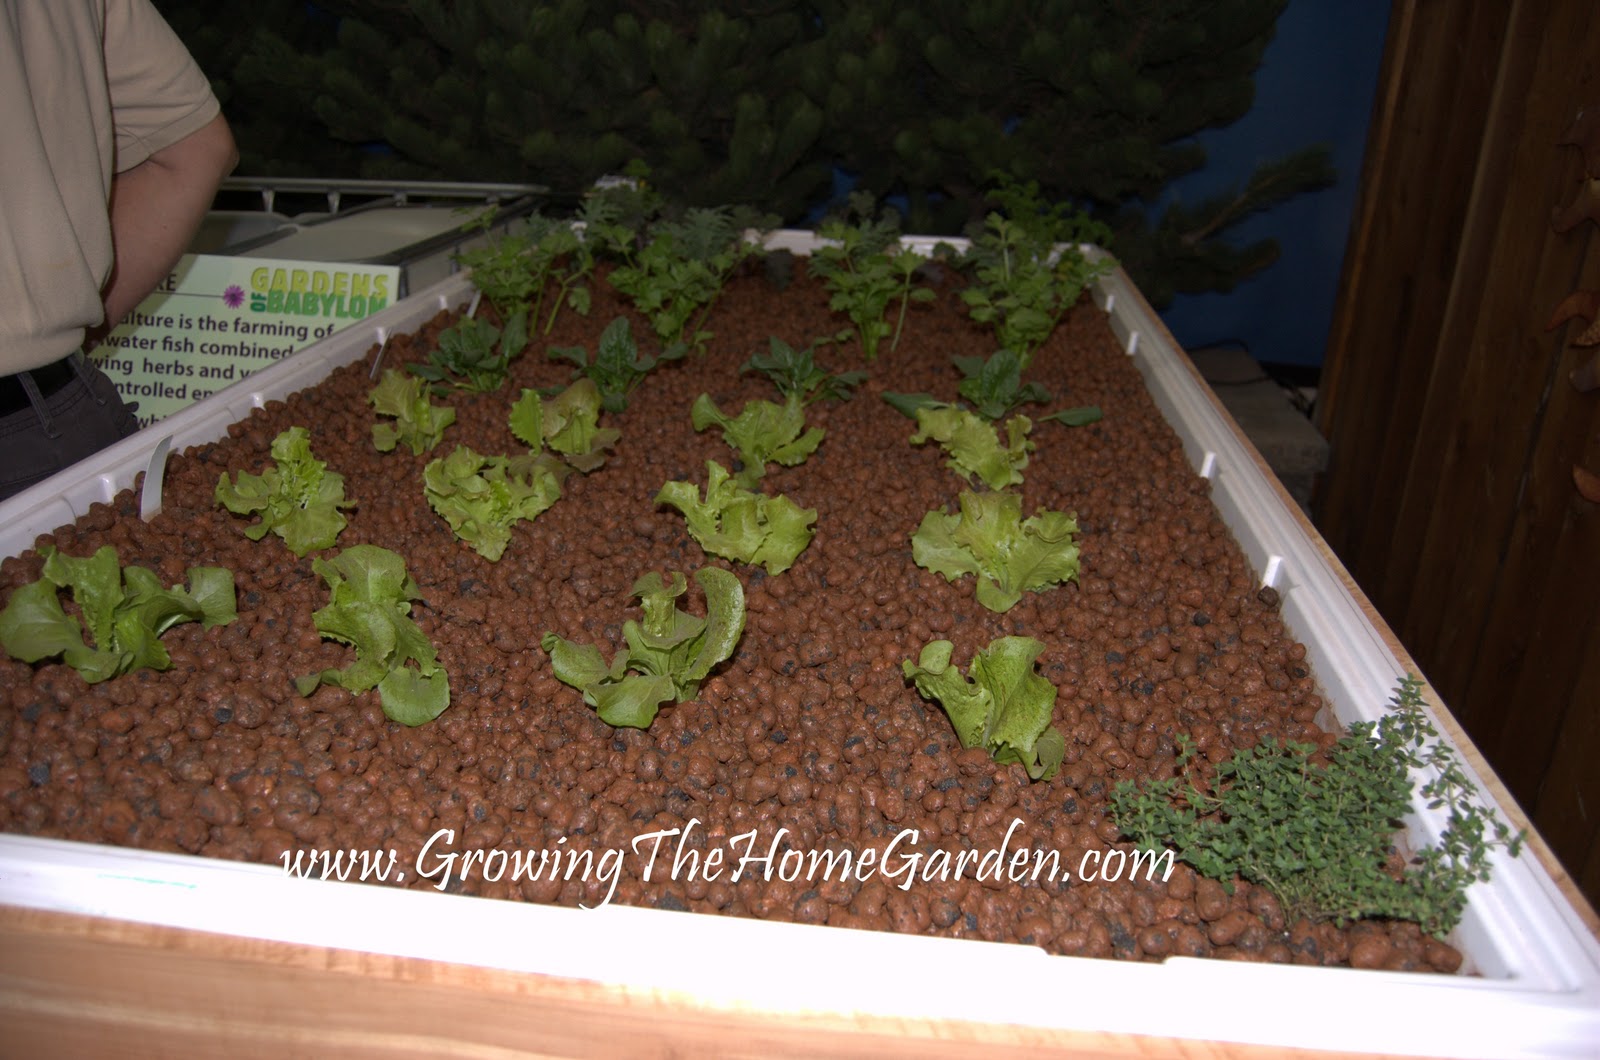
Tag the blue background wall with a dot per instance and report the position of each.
(1315, 85)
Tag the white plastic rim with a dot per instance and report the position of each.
(1535, 990)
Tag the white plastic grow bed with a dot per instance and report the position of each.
(1535, 983)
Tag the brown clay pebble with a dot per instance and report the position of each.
(810, 731)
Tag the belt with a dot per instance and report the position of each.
(50, 379)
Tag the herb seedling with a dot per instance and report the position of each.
(676, 276)
(1001, 704)
(124, 610)
(417, 424)
(369, 608)
(481, 497)
(740, 525)
(475, 355)
(865, 271)
(989, 538)
(667, 656)
(1321, 835)
(298, 498)
(569, 423)
(762, 431)
(1027, 267)
(618, 366)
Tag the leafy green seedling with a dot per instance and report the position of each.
(475, 355)
(798, 377)
(569, 423)
(544, 257)
(740, 525)
(974, 445)
(481, 497)
(298, 498)
(989, 538)
(1028, 268)
(993, 385)
(1001, 705)
(618, 366)
(667, 656)
(124, 610)
(417, 424)
(676, 276)
(762, 431)
(369, 608)
(865, 271)
(1321, 835)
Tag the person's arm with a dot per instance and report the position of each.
(156, 208)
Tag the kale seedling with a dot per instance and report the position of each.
(469, 356)
(482, 496)
(417, 423)
(298, 498)
(369, 608)
(762, 431)
(124, 611)
(989, 538)
(740, 525)
(618, 366)
(994, 387)
(864, 271)
(667, 656)
(974, 445)
(569, 423)
(1321, 835)
(798, 377)
(1003, 706)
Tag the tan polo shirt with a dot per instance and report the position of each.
(88, 88)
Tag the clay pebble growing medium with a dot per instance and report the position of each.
(811, 727)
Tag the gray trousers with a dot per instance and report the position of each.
(46, 428)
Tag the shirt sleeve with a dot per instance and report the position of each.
(159, 95)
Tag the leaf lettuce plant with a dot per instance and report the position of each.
(124, 611)
(988, 538)
(1000, 704)
(369, 608)
(482, 497)
(739, 524)
(667, 655)
(298, 498)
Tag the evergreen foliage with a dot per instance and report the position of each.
(759, 103)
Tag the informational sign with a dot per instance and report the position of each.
(218, 318)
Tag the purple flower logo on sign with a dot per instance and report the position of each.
(233, 297)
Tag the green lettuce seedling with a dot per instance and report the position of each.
(989, 538)
(298, 498)
(568, 423)
(763, 431)
(482, 496)
(617, 367)
(417, 423)
(469, 356)
(1003, 706)
(740, 525)
(667, 656)
(974, 445)
(124, 610)
(369, 608)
